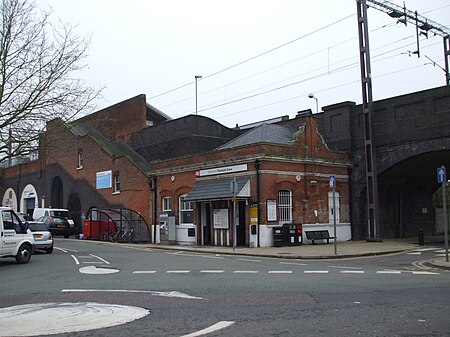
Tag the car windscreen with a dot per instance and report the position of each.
(37, 227)
(60, 214)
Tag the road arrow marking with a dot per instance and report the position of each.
(216, 327)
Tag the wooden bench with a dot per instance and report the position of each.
(319, 235)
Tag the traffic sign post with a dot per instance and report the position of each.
(442, 179)
(333, 186)
(234, 189)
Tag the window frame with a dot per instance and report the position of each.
(285, 209)
(164, 204)
(182, 209)
(80, 159)
(116, 183)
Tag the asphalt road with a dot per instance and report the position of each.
(89, 288)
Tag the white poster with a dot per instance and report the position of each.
(271, 210)
(220, 218)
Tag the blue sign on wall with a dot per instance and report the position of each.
(104, 179)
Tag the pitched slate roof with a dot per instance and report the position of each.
(265, 133)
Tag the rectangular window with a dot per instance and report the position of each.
(285, 206)
(80, 159)
(116, 183)
(166, 204)
(186, 211)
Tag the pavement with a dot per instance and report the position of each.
(346, 249)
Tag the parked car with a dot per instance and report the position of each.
(42, 236)
(55, 213)
(56, 225)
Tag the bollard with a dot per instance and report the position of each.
(421, 241)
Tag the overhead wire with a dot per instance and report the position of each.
(258, 55)
(346, 67)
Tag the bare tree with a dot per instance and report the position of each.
(39, 62)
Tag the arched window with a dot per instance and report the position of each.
(284, 206)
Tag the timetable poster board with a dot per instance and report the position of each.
(220, 218)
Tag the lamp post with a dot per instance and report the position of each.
(317, 101)
(196, 79)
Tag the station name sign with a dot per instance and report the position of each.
(221, 170)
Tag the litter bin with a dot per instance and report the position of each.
(277, 236)
(292, 234)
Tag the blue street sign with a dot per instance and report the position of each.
(441, 175)
(332, 182)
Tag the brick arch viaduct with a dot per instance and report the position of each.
(411, 135)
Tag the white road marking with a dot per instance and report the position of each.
(98, 257)
(424, 249)
(440, 251)
(93, 270)
(153, 293)
(75, 259)
(248, 260)
(294, 263)
(316, 272)
(424, 273)
(440, 255)
(415, 253)
(211, 271)
(213, 328)
(352, 271)
(245, 272)
(280, 272)
(66, 317)
(213, 257)
(178, 271)
(344, 267)
(389, 272)
(66, 250)
(144, 272)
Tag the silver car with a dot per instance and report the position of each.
(42, 236)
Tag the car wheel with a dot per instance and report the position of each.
(23, 254)
(49, 250)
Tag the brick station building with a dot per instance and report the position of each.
(203, 177)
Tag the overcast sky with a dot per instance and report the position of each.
(259, 58)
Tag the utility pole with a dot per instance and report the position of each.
(367, 105)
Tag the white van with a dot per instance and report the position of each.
(52, 218)
(16, 239)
